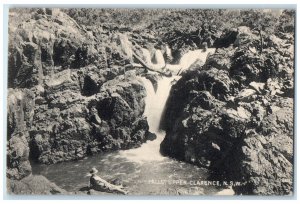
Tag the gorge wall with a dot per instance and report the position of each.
(234, 114)
(69, 95)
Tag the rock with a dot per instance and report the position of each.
(81, 57)
(59, 78)
(63, 49)
(215, 146)
(231, 115)
(74, 125)
(154, 79)
(20, 117)
(240, 113)
(33, 185)
(246, 37)
(266, 155)
(274, 87)
(259, 87)
(246, 72)
(288, 88)
(21, 105)
(227, 38)
(53, 11)
(25, 61)
(18, 165)
(126, 46)
(38, 45)
(245, 95)
(94, 192)
(151, 136)
(220, 59)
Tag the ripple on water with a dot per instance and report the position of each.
(137, 177)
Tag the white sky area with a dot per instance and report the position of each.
(132, 200)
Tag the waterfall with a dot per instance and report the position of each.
(189, 58)
(192, 56)
(156, 101)
(155, 104)
(159, 60)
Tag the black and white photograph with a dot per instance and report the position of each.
(150, 101)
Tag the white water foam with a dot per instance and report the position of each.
(155, 103)
(189, 58)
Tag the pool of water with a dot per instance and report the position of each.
(155, 177)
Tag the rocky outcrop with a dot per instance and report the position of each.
(18, 165)
(70, 125)
(47, 43)
(33, 185)
(20, 112)
(181, 42)
(65, 81)
(234, 115)
(265, 163)
(68, 98)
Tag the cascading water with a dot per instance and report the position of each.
(189, 58)
(155, 104)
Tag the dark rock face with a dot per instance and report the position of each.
(234, 115)
(25, 65)
(63, 50)
(69, 125)
(226, 39)
(67, 99)
(48, 44)
(181, 42)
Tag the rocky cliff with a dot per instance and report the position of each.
(234, 115)
(69, 94)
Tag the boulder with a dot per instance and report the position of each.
(73, 124)
(34, 185)
(18, 165)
